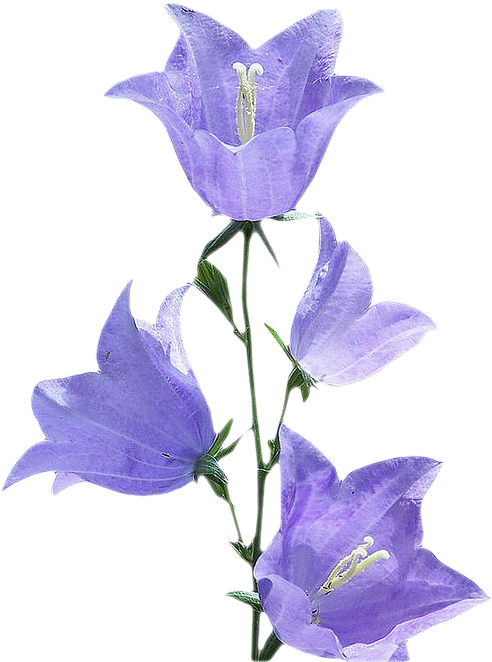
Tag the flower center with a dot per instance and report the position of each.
(246, 99)
(350, 566)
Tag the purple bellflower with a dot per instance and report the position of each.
(324, 588)
(249, 149)
(337, 336)
(139, 425)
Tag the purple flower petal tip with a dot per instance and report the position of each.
(139, 425)
(353, 547)
(337, 336)
(299, 103)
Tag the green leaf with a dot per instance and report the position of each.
(274, 445)
(249, 598)
(213, 284)
(292, 215)
(221, 239)
(259, 231)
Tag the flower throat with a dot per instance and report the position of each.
(246, 99)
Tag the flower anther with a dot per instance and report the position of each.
(246, 99)
(350, 566)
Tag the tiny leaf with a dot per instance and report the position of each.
(245, 552)
(292, 215)
(221, 239)
(259, 231)
(249, 598)
(221, 437)
(280, 341)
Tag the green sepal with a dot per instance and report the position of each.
(221, 437)
(305, 391)
(244, 551)
(274, 446)
(248, 598)
(298, 378)
(207, 466)
(292, 215)
(259, 231)
(270, 648)
(221, 239)
(220, 490)
(226, 450)
(280, 342)
(213, 284)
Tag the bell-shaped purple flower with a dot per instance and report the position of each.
(293, 109)
(337, 336)
(346, 576)
(139, 425)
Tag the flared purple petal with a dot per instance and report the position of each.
(431, 593)
(336, 337)
(92, 462)
(215, 48)
(382, 334)
(315, 130)
(294, 62)
(63, 480)
(195, 97)
(144, 375)
(327, 244)
(246, 183)
(339, 294)
(373, 614)
(139, 425)
(309, 480)
(289, 611)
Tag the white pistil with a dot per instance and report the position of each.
(246, 99)
(350, 566)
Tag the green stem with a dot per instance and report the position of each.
(262, 474)
(261, 471)
(271, 646)
(248, 233)
(275, 450)
(233, 513)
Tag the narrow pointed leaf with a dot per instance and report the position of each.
(221, 239)
(244, 551)
(249, 598)
(259, 231)
(292, 215)
(279, 340)
(221, 437)
(228, 449)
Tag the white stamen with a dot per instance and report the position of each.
(246, 99)
(350, 566)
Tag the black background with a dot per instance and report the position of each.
(99, 199)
